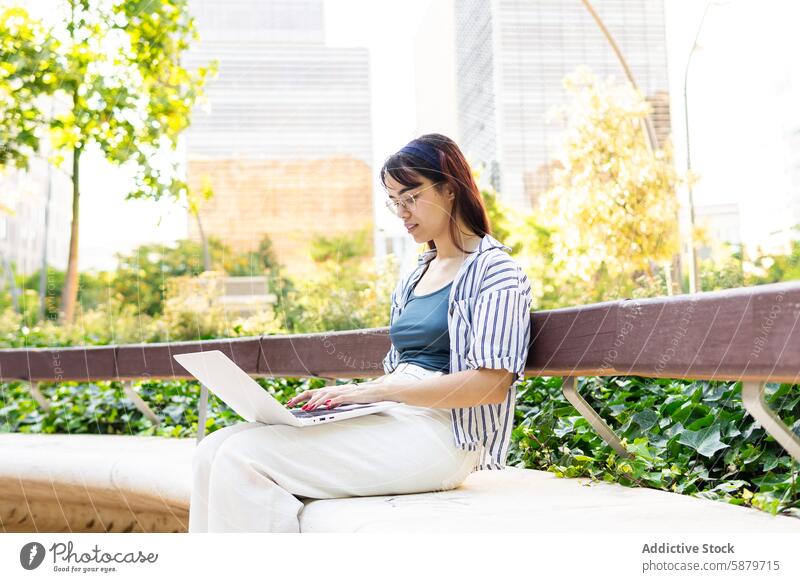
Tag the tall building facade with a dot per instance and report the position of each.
(511, 59)
(26, 196)
(284, 141)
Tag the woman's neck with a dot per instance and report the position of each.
(447, 251)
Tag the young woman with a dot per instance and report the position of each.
(460, 329)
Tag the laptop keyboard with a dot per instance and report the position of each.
(324, 411)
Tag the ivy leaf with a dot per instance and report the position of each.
(702, 422)
(705, 441)
(730, 486)
(566, 426)
(645, 419)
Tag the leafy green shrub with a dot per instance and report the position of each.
(352, 294)
(110, 323)
(119, 324)
(691, 437)
(103, 407)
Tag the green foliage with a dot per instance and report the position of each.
(348, 294)
(263, 260)
(534, 241)
(724, 271)
(130, 306)
(111, 75)
(194, 308)
(109, 323)
(29, 70)
(141, 276)
(103, 408)
(498, 213)
(772, 268)
(93, 290)
(690, 437)
(727, 268)
(131, 98)
(607, 227)
(255, 262)
(137, 282)
(349, 289)
(612, 208)
(114, 67)
(341, 248)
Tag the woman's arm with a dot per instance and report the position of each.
(378, 380)
(455, 390)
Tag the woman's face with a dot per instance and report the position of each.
(429, 214)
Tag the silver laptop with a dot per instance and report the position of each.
(248, 399)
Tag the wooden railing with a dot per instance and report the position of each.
(747, 334)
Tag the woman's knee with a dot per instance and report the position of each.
(457, 477)
(209, 446)
(268, 436)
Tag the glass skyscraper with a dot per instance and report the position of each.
(511, 58)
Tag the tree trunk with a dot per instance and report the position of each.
(43, 271)
(70, 293)
(12, 284)
(668, 278)
(677, 269)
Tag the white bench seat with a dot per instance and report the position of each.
(62, 483)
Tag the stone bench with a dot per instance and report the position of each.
(83, 483)
(94, 483)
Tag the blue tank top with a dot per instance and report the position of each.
(420, 333)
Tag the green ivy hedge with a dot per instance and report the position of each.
(690, 437)
(103, 407)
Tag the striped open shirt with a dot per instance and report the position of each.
(489, 323)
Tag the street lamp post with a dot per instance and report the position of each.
(649, 129)
(693, 273)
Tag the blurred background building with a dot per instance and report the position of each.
(526, 49)
(284, 141)
(35, 215)
(508, 62)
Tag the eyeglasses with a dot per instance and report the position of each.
(410, 203)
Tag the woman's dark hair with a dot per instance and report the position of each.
(419, 158)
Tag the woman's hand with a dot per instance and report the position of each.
(332, 396)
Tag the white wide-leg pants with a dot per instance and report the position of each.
(246, 477)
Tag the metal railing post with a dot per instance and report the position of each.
(37, 395)
(756, 405)
(139, 402)
(570, 391)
